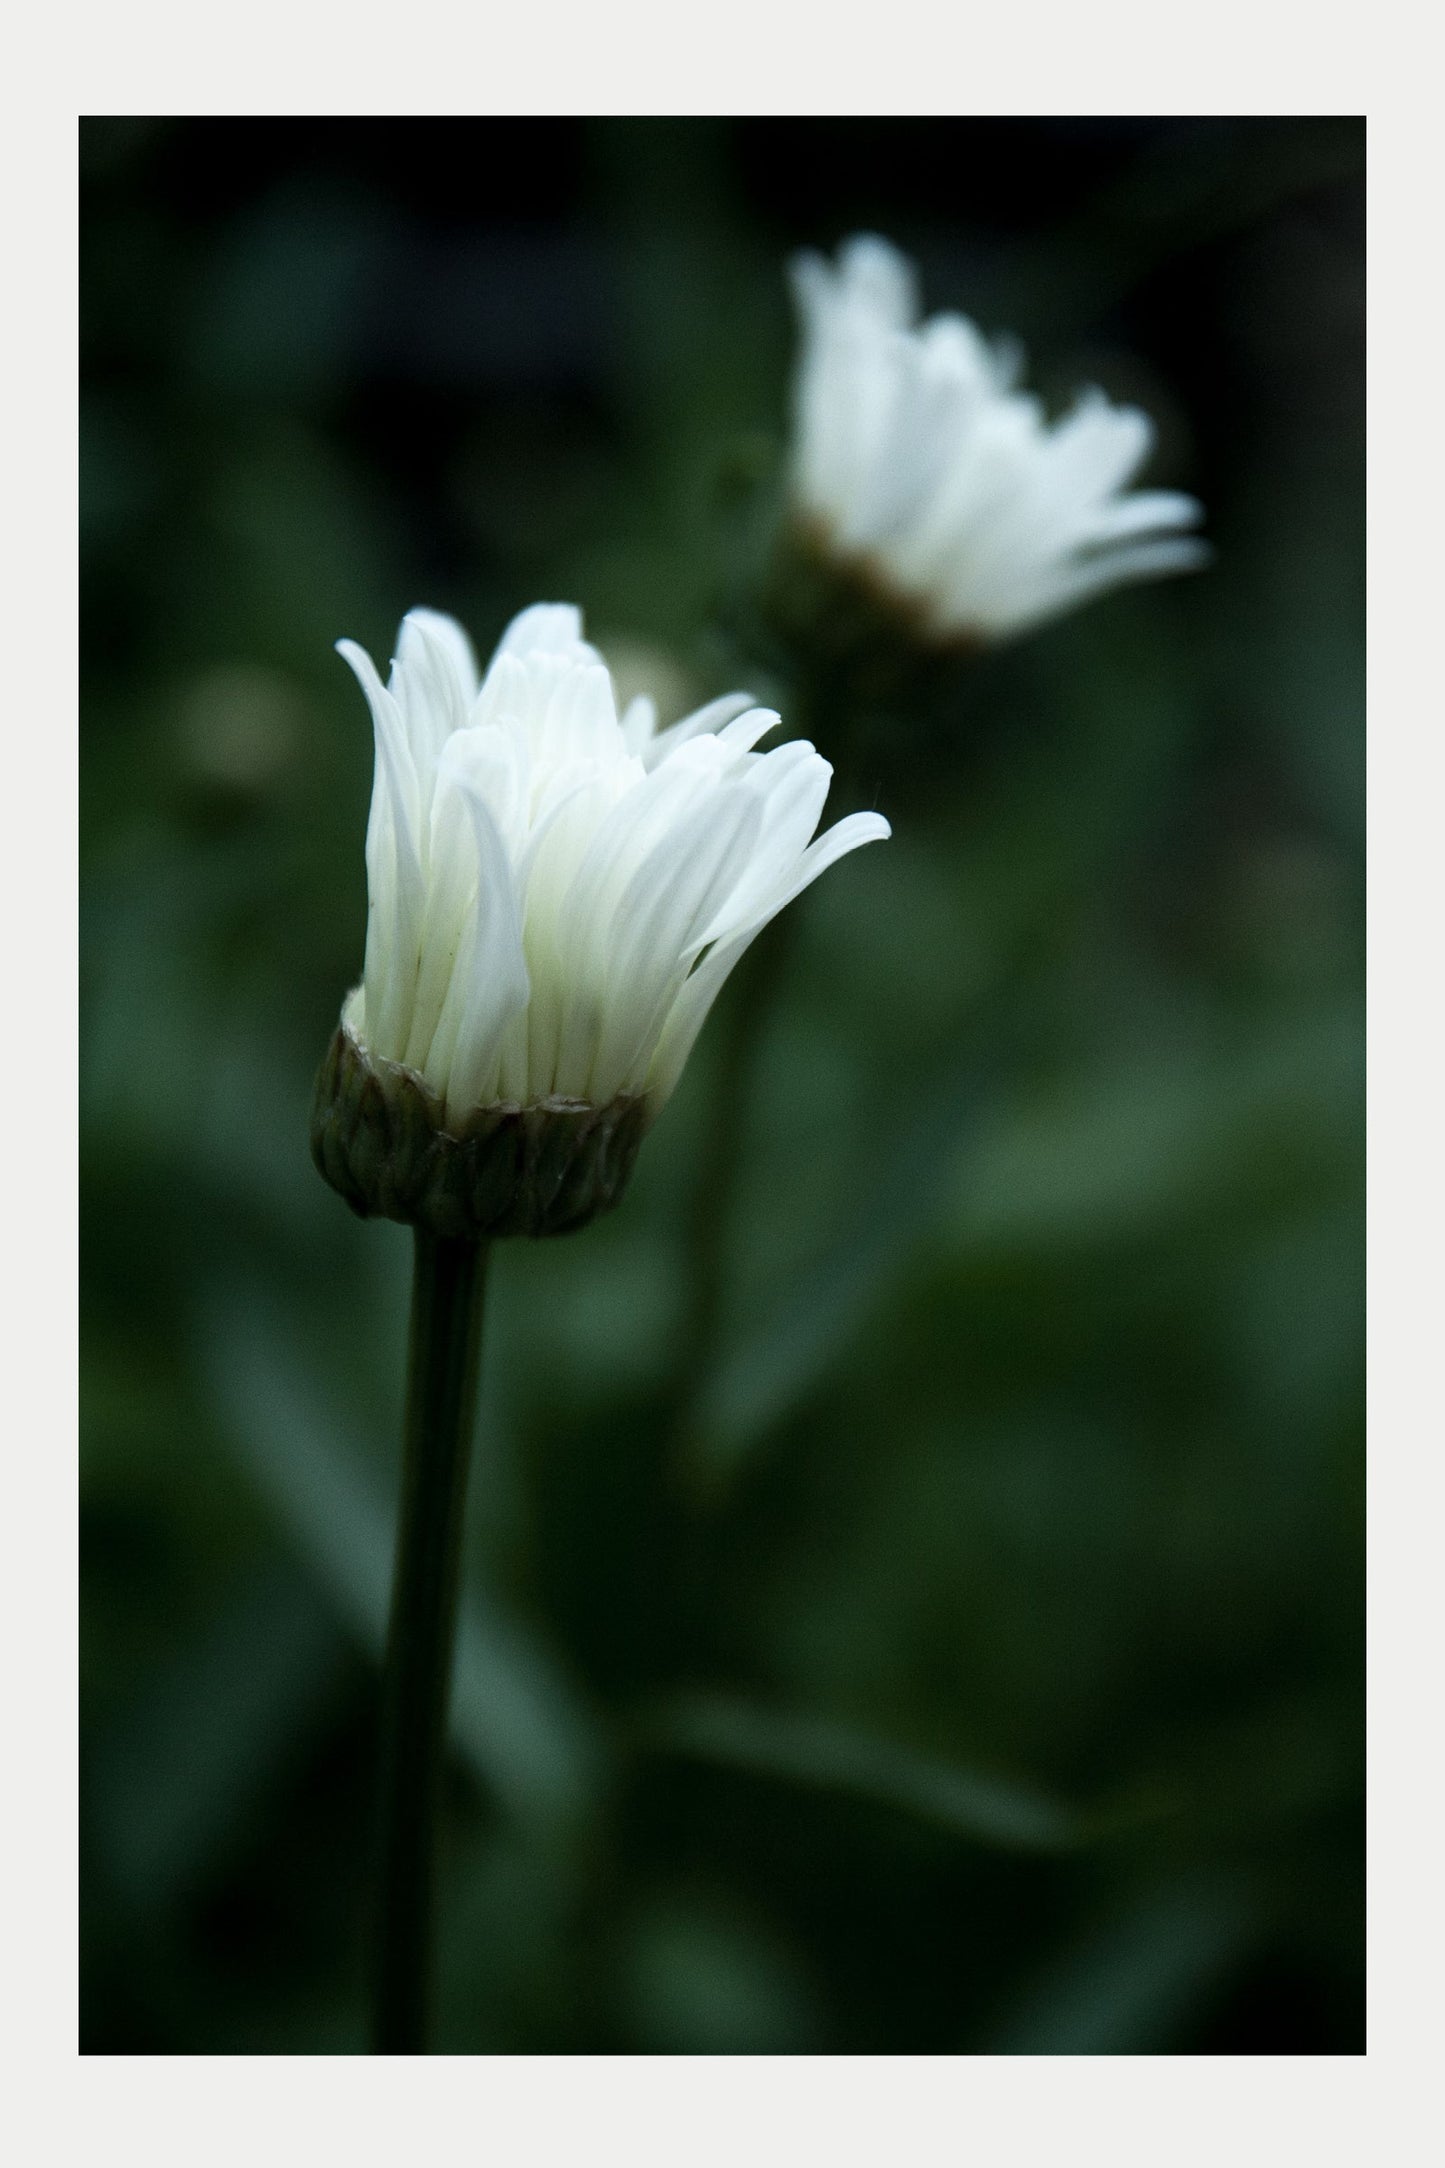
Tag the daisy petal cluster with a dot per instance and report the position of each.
(918, 459)
(557, 893)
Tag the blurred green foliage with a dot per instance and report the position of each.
(970, 1659)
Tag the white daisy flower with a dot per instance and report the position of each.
(918, 461)
(556, 893)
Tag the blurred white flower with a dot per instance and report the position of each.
(557, 895)
(917, 459)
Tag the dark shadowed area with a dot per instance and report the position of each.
(965, 1656)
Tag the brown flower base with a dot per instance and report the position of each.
(377, 1136)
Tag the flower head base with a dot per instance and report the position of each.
(556, 897)
(382, 1141)
(919, 467)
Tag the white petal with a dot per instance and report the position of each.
(792, 784)
(703, 721)
(879, 278)
(743, 733)
(548, 628)
(434, 683)
(666, 906)
(489, 985)
(1144, 511)
(446, 634)
(394, 874)
(701, 989)
(639, 723)
(1122, 568)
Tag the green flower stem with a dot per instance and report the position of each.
(742, 1027)
(441, 1398)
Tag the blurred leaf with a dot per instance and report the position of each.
(1132, 1983)
(507, 1937)
(834, 1757)
(512, 1715)
(774, 1366)
(1164, 1133)
(703, 1975)
(180, 1777)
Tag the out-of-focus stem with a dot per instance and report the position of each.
(743, 1029)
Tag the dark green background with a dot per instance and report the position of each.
(969, 1659)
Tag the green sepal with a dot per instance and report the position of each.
(838, 621)
(379, 1138)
